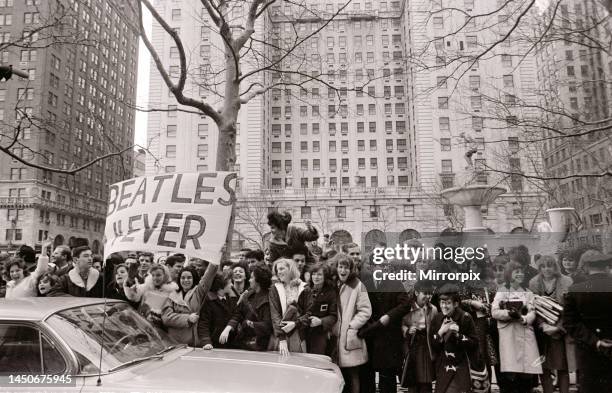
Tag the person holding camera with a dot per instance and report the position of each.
(514, 310)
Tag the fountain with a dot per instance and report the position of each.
(471, 198)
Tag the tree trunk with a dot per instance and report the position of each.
(226, 151)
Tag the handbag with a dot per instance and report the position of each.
(479, 379)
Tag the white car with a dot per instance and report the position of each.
(89, 345)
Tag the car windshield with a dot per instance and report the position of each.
(124, 334)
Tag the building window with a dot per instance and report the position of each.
(170, 151)
(447, 166)
(170, 169)
(202, 150)
(171, 131)
(340, 211)
(445, 144)
(408, 210)
(176, 14)
(508, 81)
(476, 102)
(172, 110)
(442, 102)
(305, 212)
(506, 60)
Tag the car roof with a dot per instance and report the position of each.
(39, 308)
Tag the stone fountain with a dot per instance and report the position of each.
(471, 198)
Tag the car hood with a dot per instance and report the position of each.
(233, 371)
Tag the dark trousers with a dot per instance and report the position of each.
(420, 388)
(387, 379)
(519, 383)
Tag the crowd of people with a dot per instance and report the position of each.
(300, 296)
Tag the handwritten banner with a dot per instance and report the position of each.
(180, 212)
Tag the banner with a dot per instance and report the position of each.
(185, 213)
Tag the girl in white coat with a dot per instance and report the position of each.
(354, 310)
(514, 311)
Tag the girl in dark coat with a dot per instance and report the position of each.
(418, 372)
(180, 311)
(318, 310)
(114, 289)
(288, 238)
(215, 314)
(251, 320)
(454, 339)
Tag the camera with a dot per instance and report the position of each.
(515, 308)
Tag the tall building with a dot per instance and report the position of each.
(575, 81)
(370, 149)
(182, 141)
(76, 106)
(468, 110)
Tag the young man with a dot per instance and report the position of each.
(383, 333)
(254, 257)
(145, 259)
(83, 280)
(454, 339)
(175, 263)
(354, 251)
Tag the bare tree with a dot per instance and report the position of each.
(254, 63)
(251, 218)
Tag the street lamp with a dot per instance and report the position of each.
(7, 71)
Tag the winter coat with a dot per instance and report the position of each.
(536, 285)
(453, 352)
(518, 349)
(60, 271)
(27, 286)
(588, 318)
(411, 318)
(323, 304)
(295, 239)
(278, 312)
(115, 291)
(72, 283)
(385, 342)
(176, 311)
(214, 317)
(255, 307)
(151, 299)
(354, 310)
